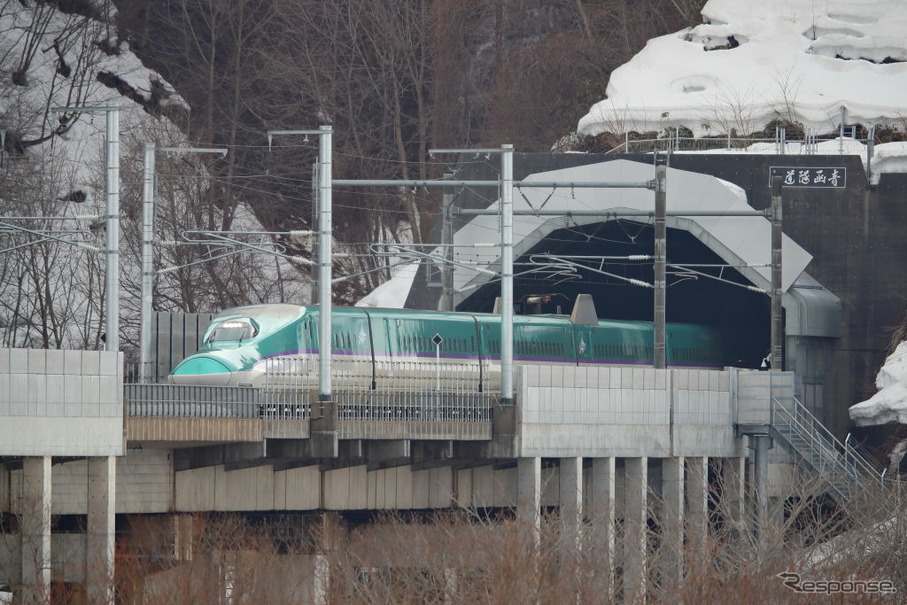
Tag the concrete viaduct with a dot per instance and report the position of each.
(606, 443)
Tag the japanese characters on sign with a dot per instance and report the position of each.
(798, 176)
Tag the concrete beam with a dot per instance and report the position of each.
(213, 455)
(350, 453)
(636, 527)
(238, 465)
(380, 454)
(431, 454)
(99, 572)
(297, 453)
(289, 449)
(472, 454)
(35, 530)
(287, 465)
(284, 454)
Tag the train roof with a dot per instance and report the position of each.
(285, 313)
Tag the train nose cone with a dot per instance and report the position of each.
(201, 370)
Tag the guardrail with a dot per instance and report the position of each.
(399, 391)
(182, 401)
(407, 391)
(780, 144)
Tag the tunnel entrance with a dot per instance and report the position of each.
(543, 284)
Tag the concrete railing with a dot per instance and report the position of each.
(61, 402)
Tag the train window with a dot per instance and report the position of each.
(233, 330)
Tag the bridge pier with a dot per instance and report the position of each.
(603, 498)
(760, 444)
(571, 497)
(733, 494)
(571, 513)
(35, 530)
(697, 503)
(672, 518)
(100, 540)
(635, 535)
(529, 491)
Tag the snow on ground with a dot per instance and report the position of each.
(752, 62)
(890, 403)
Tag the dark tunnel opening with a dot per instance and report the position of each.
(741, 315)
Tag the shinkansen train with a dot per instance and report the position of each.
(242, 345)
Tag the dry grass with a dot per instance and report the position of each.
(459, 557)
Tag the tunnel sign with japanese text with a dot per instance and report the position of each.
(798, 176)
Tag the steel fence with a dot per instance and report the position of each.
(422, 391)
(399, 391)
(183, 401)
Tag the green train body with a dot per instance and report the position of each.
(241, 344)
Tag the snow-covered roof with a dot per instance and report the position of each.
(752, 62)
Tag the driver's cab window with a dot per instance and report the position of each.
(232, 330)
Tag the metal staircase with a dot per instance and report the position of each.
(843, 470)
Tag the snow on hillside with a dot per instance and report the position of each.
(57, 60)
(890, 403)
(752, 62)
(52, 59)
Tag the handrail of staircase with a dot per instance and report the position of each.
(851, 450)
(821, 439)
